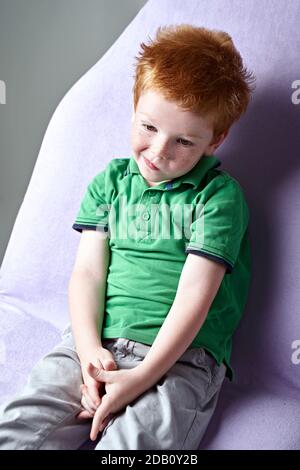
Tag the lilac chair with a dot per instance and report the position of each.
(90, 126)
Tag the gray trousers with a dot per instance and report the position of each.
(173, 414)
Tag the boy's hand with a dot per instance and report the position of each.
(122, 387)
(93, 390)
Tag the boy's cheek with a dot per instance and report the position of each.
(138, 140)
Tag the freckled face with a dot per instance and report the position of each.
(166, 140)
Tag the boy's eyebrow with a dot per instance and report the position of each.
(181, 133)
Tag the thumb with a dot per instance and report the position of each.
(107, 360)
(109, 364)
(98, 374)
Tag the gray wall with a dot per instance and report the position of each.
(45, 47)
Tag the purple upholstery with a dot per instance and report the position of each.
(90, 126)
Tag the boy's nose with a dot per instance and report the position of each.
(160, 151)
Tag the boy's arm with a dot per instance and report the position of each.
(198, 285)
(86, 290)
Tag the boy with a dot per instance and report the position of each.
(162, 271)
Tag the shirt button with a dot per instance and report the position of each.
(146, 216)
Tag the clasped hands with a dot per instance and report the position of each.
(106, 390)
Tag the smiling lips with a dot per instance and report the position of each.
(150, 165)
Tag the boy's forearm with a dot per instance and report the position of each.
(86, 297)
(174, 337)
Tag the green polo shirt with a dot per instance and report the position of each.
(151, 232)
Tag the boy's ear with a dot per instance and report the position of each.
(216, 142)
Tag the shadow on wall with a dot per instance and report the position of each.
(268, 141)
(269, 145)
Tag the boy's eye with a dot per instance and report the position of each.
(185, 143)
(147, 127)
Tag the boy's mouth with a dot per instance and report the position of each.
(150, 165)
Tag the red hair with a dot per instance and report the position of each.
(199, 69)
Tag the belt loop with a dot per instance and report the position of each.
(209, 358)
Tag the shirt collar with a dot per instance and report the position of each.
(194, 176)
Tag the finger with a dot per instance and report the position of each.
(86, 394)
(99, 417)
(107, 360)
(86, 406)
(100, 375)
(84, 415)
(107, 420)
(92, 391)
(109, 364)
(94, 372)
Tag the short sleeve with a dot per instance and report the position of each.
(94, 210)
(220, 224)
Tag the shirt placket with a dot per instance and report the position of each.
(150, 200)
